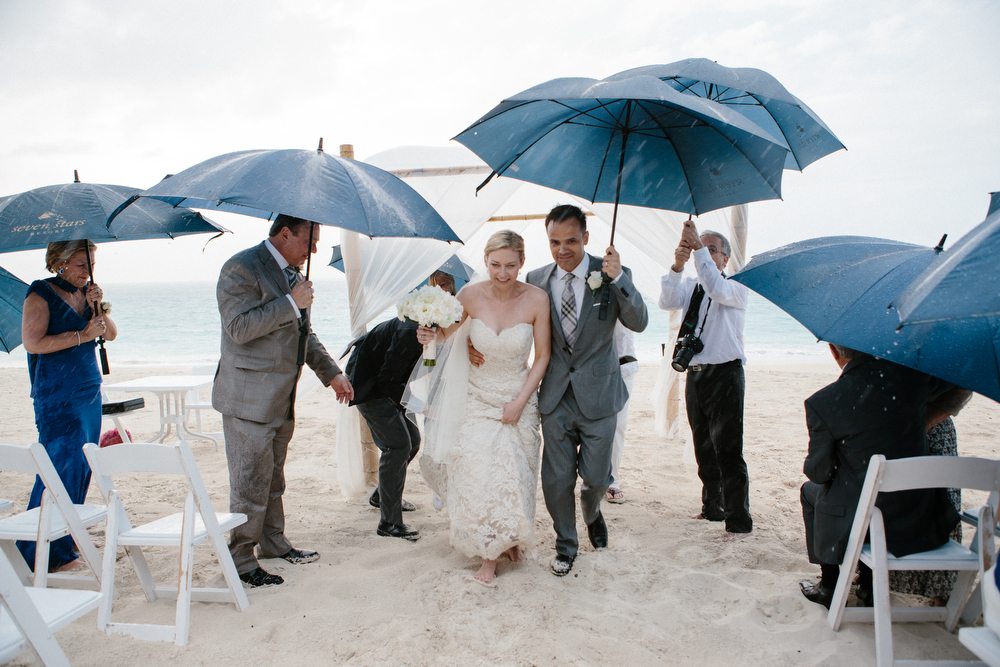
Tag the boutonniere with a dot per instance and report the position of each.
(596, 280)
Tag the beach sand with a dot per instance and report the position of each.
(668, 590)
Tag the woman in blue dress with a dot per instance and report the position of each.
(58, 330)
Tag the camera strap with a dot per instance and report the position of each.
(691, 316)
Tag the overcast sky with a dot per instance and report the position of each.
(128, 91)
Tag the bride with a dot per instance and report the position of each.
(484, 460)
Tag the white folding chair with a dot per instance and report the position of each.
(983, 641)
(56, 517)
(884, 476)
(196, 523)
(30, 616)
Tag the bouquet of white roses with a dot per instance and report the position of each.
(430, 306)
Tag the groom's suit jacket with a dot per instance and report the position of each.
(257, 370)
(591, 367)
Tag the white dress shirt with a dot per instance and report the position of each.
(282, 264)
(726, 303)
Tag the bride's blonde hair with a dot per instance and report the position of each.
(504, 239)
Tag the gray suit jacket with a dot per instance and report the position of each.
(257, 372)
(592, 366)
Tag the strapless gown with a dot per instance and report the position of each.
(493, 469)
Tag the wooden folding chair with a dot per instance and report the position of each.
(30, 616)
(983, 641)
(56, 517)
(196, 523)
(922, 472)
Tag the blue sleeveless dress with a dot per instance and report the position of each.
(66, 388)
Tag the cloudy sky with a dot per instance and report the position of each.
(127, 91)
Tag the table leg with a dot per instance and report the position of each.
(182, 427)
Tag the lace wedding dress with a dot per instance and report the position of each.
(492, 469)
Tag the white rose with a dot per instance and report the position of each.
(595, 280)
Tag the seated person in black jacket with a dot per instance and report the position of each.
(379, 369)
(874, 407)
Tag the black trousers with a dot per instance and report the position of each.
(399, 441)
(714, 397)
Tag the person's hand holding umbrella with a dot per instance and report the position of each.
(612, 265)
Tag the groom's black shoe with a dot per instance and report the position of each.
(398, 530)
(815, 591)
(375, 501)
(562, 564)
(258, 577)
(597, 531)
(300, 556)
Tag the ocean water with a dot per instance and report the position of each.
(177, 324)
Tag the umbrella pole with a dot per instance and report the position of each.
(105, 367)
(621, 169)
(304, 325)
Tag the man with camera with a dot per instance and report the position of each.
(710, 349)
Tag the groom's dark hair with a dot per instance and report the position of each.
(565, 212)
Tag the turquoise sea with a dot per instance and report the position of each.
(177, 324)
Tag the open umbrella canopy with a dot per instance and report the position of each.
(12, 293)
(74, 211)
(453, 266)
(629, 140)
(963, 282)
(311, 185)
(841, 288)
(758, 96)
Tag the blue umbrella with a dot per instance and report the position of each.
(75, 211)
(453, 266)
(841, 288)
(311, 185)
(758, 96)
(630, 140)
(963, 282)
(12, 293)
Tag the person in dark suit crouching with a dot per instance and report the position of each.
(379, 369)
(874, 407)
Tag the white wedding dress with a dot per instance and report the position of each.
(492, 468)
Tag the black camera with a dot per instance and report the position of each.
(684, 351)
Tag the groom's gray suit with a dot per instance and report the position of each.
(579, 399)
(255, 392)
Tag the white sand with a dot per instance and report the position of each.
(668, 590)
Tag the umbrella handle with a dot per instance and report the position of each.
(105, 368)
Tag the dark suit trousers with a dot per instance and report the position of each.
(399, 441)
(256, 455)
(714, 397)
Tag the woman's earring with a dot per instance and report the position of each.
(62, 270)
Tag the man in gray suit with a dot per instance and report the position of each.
(582, 390)
(264, 306)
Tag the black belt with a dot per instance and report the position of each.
(627, 359)
(704, 367)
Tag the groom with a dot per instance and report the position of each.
(582, 390)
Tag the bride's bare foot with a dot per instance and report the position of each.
(487, 573)
(514, 554)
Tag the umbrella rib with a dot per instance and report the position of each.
(666, 137)
(604, 162)
(504, 167)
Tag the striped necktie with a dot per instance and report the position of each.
(293, 275)
(568, 310)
